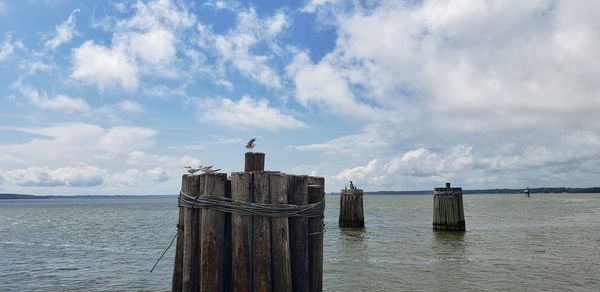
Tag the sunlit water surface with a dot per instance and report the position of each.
(542, 243)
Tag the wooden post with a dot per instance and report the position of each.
(448, 213)
(351, 209)
(262, 236)
(316, 193)
(211, 278)
(219, 251)
(255, 161)
(280, 242)
(227, 247)
(242, 234)
(297, 187)
(178, 268)
(193, 185)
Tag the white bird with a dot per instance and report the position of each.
(207, 168)
(193, 170)
(251, 143)
(211, 170)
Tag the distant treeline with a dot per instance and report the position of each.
(497, 191)
(20, 196)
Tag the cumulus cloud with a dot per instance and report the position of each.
(93, 63)
(501, 64)
(157, 174)
(130, 106)
(8, 47)
(246, 113)
(59, 102)
(141, 158)
(82, 175)
(71, 143)
(144, 44)
(64, 32)
(237, 46)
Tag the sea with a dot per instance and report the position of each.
(549, 242)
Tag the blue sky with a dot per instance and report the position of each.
(115, 97)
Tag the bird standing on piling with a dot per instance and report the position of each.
(209, 169)
(193, 170)
(250, 145)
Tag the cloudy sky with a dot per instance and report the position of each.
(115, 97)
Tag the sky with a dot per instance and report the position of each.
(116, 97)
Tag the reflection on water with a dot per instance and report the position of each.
(353, 233)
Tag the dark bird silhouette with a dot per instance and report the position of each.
(251, 144)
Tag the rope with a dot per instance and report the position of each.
(228, 205)
(170, 244)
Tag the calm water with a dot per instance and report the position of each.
(544, 243)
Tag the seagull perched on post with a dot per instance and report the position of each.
(251, 144)
(193, 170)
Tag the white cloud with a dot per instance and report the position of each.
(59, 102)
(141, 158)
(130, 177)
(8, 47)
(323, 84)
(103, 66)
(505, 65)
(130, 106)
(164, 91)
(82, 175)
(157, 174)
(144, 44)
(313, 5)
(64, 32)
(247, 113)
(369, 140)
(76, 142)
(236, 47)
(226, 84)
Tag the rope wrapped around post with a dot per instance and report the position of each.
(229, 205)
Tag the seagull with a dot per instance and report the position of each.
(251, 143)
(211, 170)
(193, 170)
(207, 168)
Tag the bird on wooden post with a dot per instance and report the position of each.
(250, 145)
(351, 185)
(193, 170)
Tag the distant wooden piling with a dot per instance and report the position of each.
(270, 248)
(448, 213)
(351, 208)
(255, 161)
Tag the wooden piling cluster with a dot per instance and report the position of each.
(351, 208)
(448, 213)
(222, 251)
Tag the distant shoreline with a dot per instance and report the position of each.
(543, 190)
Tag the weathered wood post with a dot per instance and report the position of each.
(448, 211)
(255, 161)
(351, 208)
(316, 193)
(212, 231)
(298, 194)
(259, 231)
(193, 186)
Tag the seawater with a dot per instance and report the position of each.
(512, 243)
